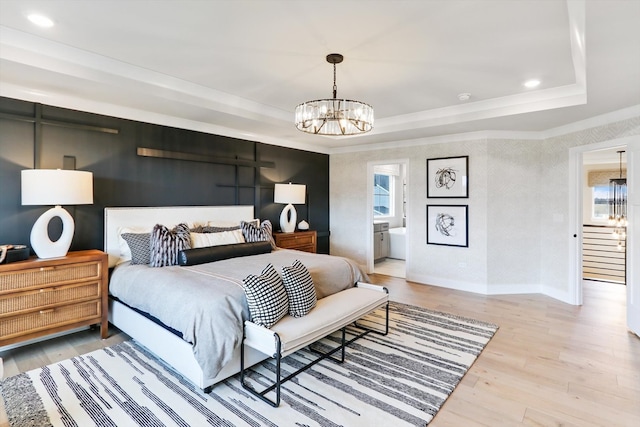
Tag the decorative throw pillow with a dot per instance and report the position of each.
(258, 234)
(223, 224)
(203, 240)
(213, 229)
(266, 297)
(125, 251)
(140, 246)
(165, 244)
(300, 289)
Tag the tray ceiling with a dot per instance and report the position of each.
(239, 68)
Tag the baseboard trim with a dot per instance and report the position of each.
(476, 288)
(487, 289)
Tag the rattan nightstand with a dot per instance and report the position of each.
(39, 297)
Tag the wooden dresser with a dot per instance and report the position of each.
(300, 240)
(45, 296)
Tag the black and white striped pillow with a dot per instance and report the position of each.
(300, 289)
(140, 247)
(264, 233)
(165, 244)
(266, 297)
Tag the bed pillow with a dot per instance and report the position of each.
(165, 244)
(213, 228)
(264, 233)
(125, 251)
(222, 224)
(216, 253)
(202, 240)
(300, 289)
(140, 247)
(266, 297)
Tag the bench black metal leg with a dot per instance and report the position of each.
(343, 345)
(375, 331)
(277, 385)
(262, 395)
(279, 380)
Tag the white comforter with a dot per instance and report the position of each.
(206, 302)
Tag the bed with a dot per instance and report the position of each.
(192, 316)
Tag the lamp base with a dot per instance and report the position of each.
(288, 219)
(40, 241)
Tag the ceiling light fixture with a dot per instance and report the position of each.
(618, 206)
(40, 20)
(532, 83)
(335, 117)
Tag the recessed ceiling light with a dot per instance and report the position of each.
(464, 96)
(532, 83)
(40, 20)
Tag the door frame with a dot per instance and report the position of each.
(370, 175)
(576, 182)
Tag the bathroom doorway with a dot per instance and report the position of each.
(388, 207)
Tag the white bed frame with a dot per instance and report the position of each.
(164, 344)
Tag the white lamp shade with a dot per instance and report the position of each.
(56, 187)
(289, 193)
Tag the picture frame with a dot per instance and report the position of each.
(448, 177)
(448, 225)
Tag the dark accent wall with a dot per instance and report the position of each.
(220, 170)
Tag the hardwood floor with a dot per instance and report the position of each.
(549, 364)
(391, 267)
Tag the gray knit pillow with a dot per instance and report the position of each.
(213, 229)
(300, 289)
(140, 247)
(266, 297)
(165, 244)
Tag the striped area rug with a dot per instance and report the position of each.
(401, 379)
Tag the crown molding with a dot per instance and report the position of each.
(107, 109)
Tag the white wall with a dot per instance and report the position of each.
(425, 263)
(519, 235)
(515, 204)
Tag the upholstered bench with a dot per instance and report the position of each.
(331, 313)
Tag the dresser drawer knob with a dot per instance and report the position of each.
(47, 311)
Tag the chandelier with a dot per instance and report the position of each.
(334, 116)
(618, 206)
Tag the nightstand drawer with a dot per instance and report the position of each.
(48, 297)
(296, 240)
(306, 248)
(49, 318)
(32, 278)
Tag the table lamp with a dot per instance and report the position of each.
(55, 187)
(289, 194)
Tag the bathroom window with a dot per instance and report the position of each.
(383, 195)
